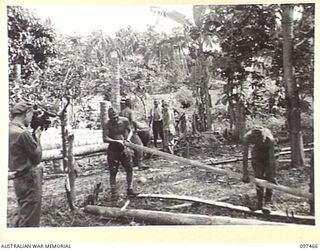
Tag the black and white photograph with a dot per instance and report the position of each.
(160, 115)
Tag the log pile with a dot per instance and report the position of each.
(86, 142)
(51, 139)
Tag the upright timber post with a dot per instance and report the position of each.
(104, 106)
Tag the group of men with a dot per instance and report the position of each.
(163, 124)
(124, 127)
(25, 154)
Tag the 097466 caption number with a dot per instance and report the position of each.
(313, 246)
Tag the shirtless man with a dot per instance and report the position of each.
(263, 161)
(115, 132)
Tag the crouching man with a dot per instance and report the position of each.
(115, 132)
(263, 162)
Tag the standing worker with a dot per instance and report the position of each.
(115, 132)
(168, 127)
(263, 162)
(145, 136)
(156, 120)
(25, 154)
(128, 113)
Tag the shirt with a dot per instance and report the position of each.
(156, 113)
(168, 121)
(24, 151)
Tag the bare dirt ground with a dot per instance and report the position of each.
(162, 177)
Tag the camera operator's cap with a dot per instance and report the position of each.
(21, 107)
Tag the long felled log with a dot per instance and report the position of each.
(263, 183)
(166, 218)
(273, 215)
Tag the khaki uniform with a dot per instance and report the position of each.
(24, 155)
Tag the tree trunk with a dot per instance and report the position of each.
(311, 189)
(104, 106)
(292, 92)
(207, 104)
(199, 76)
(63, 120)
(166, 218)
(115, 85)
(237, 119)
(240, 121)
(71, 173)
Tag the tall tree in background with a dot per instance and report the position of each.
(245, 34)
(198, 41)
(292, 92)
(107, 54)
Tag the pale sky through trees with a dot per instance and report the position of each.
(82, 20)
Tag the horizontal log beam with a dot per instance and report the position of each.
(310, 220)
(263, 183)
(214, 163)
(167, 218)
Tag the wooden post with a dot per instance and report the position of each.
(71, 173)
(63, 120)
(229, 173)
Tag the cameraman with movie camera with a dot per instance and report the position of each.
(25, 154)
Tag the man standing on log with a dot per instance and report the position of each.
(263, 162)
(25, 154)
(115, 132)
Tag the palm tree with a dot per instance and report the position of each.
(107, 54)
(197, 41)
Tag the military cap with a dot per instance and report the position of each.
(21, 107)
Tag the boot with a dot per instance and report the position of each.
(130, 192)
(267, 208)
(256, 205)
(268, 197)
(114, 195)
